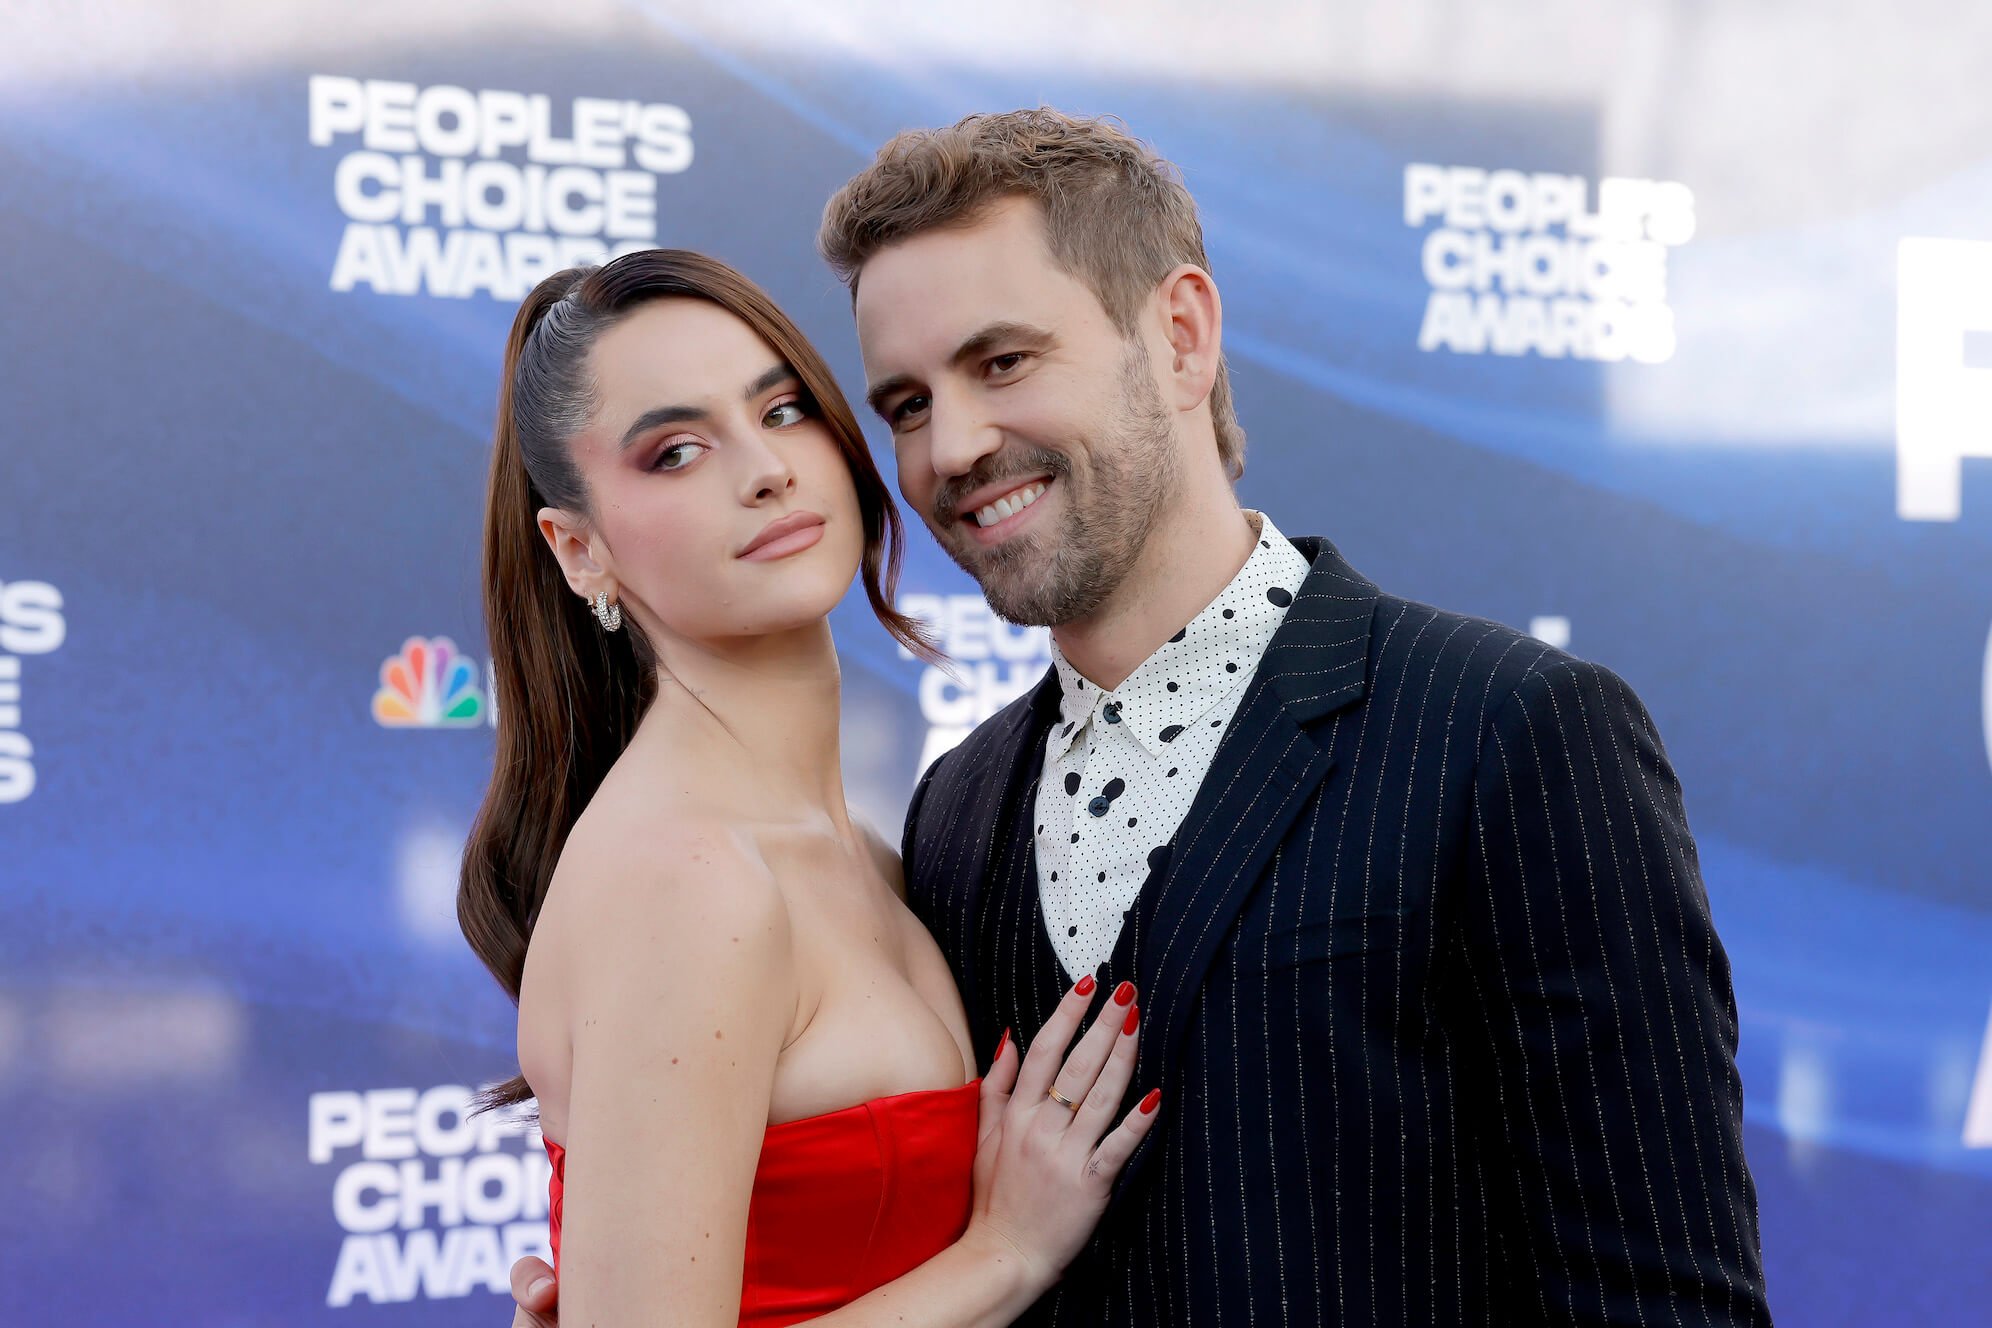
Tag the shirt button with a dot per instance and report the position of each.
(1112, 711)
(1099, 806)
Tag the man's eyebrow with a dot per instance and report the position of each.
(1000, 334)
(978, 343)
(662, 415)
(891, 384)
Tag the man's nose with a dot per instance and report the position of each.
(960, 438)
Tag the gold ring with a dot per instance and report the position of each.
(1060, 1098)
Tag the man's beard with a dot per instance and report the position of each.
(1047, 578)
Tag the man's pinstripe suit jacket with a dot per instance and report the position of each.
(1428, 980)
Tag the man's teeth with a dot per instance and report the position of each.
(1009, 506)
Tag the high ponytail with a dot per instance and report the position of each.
(569, 694)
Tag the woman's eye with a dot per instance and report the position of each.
(1002, 364)
(688, 452)
(785, 414)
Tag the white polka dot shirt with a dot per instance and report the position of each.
(1122, 767)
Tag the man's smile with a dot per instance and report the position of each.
(1000, 511)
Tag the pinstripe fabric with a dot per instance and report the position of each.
(1429, 981)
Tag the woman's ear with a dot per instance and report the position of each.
(572, 541)
(1193, 321)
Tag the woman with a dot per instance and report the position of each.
(752, 1068)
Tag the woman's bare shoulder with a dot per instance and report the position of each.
(678, 867)
(656, 911)
(643, 908)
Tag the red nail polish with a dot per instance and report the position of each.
(999, 1047)
(1148, 1103)
(1133, 1019)
(1084, 986)
(1124, 993)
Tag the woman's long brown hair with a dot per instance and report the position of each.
(569, 694)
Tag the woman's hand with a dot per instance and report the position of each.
(1044, 1170)
(534, 1292)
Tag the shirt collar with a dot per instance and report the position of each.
(1187, 674)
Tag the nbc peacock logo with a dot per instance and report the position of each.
(428, 685)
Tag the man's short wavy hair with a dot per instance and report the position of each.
(1116, 215)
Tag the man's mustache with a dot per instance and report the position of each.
(1010, 464)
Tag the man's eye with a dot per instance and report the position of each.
(1003, 364)
(785, 414)
(689, 453)
(913, 405)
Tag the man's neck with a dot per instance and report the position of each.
(1187, 563)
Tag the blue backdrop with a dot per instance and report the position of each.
(1665, 333)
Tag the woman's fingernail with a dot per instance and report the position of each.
(999, 1047)
(541, 1285)
(1084, 986)
(1124, 993)
(1148, 1103)
(1133, 1019)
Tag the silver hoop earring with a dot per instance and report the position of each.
(607, 614)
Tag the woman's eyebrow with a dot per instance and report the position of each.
(661, 415)
(781, 373)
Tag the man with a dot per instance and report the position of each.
(1429, 979)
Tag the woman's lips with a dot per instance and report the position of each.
(791, 534)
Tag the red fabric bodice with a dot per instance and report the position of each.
(845, 1202)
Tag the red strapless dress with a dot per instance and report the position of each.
(846, 1202)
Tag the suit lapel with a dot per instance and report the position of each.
(1267, 768)
(984, 821)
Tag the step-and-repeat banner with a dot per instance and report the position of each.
(1663, 332)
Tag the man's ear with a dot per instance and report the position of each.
(573, 542)
(1192, 320)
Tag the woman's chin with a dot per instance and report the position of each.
(794, 611)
